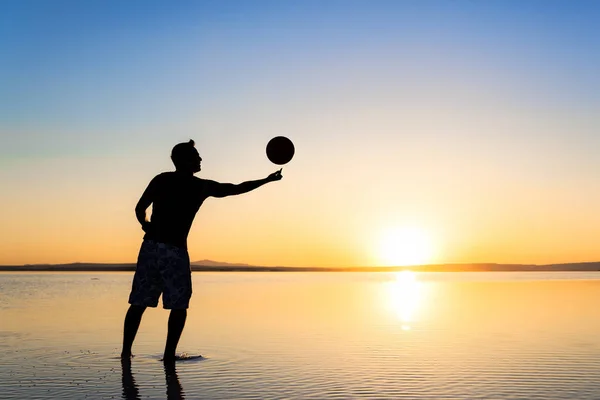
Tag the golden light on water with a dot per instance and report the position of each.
(405, 247)
(405, 297)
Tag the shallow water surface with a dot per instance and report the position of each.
(308, 336)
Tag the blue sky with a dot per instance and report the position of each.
(109, 65)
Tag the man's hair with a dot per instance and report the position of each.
(181, 152)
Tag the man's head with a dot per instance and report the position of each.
(186, 157)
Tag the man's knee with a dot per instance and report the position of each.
(135, 309)
(179, 311)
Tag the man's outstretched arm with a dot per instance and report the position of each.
(229, 189)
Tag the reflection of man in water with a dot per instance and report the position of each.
(163, 264)
(131, 390)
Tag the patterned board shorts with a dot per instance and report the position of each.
(162, 268)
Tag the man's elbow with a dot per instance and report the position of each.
(228, 190)
(140, 208)
(236, 189)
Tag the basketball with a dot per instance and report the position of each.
(280, 150)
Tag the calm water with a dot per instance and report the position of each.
(309, 336)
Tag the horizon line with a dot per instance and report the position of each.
(224, 266)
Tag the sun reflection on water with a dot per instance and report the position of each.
(405, 297)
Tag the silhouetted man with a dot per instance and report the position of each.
(163, 264)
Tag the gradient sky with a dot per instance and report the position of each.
(476, 122)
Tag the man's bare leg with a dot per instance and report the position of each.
(132, 323)
(176, 324)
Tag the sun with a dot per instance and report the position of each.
(405, 246)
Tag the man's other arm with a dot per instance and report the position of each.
(216, 189)
(144, 202)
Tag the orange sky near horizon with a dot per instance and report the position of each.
(73, 210)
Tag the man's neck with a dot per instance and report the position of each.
(184, 172)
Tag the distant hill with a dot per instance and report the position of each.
(491, 267)
(209, 265)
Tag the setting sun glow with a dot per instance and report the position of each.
(405, 247)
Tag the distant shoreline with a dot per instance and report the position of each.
(489, 267)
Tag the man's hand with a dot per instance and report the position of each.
(275, 176)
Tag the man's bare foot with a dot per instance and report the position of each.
(171, 358)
